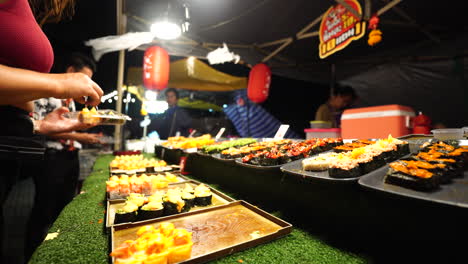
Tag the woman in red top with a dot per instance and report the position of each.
(26, 57)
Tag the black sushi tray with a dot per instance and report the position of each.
(217, 156)
(218, 199)
(257, 167)
(217, 231)
(454, 193)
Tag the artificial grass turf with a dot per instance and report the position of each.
(82, 236)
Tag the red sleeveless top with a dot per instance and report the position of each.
(22, 42)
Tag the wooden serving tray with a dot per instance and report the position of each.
(218, 199)
(216, 232)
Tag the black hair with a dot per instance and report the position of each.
(78, 61)
(172, 90)
(344, 90)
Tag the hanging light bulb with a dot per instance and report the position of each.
(166, 30)
(173, 22)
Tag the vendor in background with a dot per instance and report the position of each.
(56, 177)
(342, 97)
(173, 120)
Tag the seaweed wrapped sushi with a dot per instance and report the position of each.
(128, 213)
(203, 196)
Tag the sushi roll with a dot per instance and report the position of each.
(189, 199)
(173, 202)
(171, 178)
(345, 167)
(113, 189)
(320, 163)
(453, 167)
(409, 177)
(203, 196)
(127, 214)
(271, 158)
(188, 188)
(151, 210)
(137, 198)
(440, 170)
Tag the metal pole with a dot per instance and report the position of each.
(121, 23)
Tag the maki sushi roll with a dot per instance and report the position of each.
(112, 188)
(189, 199)
(319, 163)
(151, 210)
(411, 177)
(173, 202)
(440, 170)
(453, 167)
(203, 196)
(127, 214)
(137, 198)
(345, 167)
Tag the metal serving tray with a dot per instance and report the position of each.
(454, 193)
(219, 198)
(217, 231)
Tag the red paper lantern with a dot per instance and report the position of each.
(155, 68)
(259, 83)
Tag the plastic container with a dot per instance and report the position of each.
(99, 117)
(448, 133)
(320, 124)
(376, 121)
(322, 133)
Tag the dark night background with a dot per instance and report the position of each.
(291, 101)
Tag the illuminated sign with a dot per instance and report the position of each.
(339, 27)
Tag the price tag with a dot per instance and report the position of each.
(220, 133)
(281, 132)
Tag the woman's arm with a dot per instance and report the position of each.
(20, 86)
(86, 138)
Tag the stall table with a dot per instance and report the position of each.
(79, 234)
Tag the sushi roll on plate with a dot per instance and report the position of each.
(411, 177)
(128, 213)
(203, 196)
(151, 210)
(173, 202)
(344, 167)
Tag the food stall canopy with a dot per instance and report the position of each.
(193, 74)
(284, 34)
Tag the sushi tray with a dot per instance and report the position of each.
(98, 117)
(348, 162)
(146, 170)
(258, 167)
(217, 156)
(429, 174)
(215, 232)
(218, 198)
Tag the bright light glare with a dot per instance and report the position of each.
(151, 96)
(166, 30)
(156, 107)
